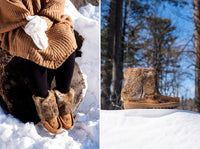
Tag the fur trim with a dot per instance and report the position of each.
(46, 107)
(65, 101)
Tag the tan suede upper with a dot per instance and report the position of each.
(60, 33)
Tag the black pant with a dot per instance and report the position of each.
(40, 76)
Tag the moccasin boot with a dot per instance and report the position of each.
(140, 90)
(48, 112)
(65, 105)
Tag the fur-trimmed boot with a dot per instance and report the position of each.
(140, 90)
(48, 112)
(65, 105)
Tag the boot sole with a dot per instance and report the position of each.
(169, 105)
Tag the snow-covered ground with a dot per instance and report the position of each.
(150, 129)
(85, 135)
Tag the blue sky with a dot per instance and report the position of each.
(182, 18)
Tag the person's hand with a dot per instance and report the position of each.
(36, 28)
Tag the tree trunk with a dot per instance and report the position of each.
(105, 85)
(196, 4)
(117, 57)
(106, 72)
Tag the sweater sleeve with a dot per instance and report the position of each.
(53, 9)
(13, 14)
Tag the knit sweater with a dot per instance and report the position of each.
(61, 40)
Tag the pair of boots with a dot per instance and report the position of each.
(55, 111)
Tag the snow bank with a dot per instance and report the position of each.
(90, 11)
(16, 135)
(150, 129)
(85, 135)
(87, 120)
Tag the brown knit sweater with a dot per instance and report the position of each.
(60, 33)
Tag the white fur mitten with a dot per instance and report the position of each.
(36, 28)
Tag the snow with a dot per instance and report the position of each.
(90, 12)
(150, 129)
(85, 135)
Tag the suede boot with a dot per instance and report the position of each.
(48, 112)
(65, 105)
(140, 90)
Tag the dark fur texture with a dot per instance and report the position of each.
(65, 101)
(46, 107)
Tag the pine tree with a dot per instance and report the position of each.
(160, 53)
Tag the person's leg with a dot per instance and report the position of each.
(65, 94)
(50, 77)
(45, 101)
(64, 74)
(37, 76)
